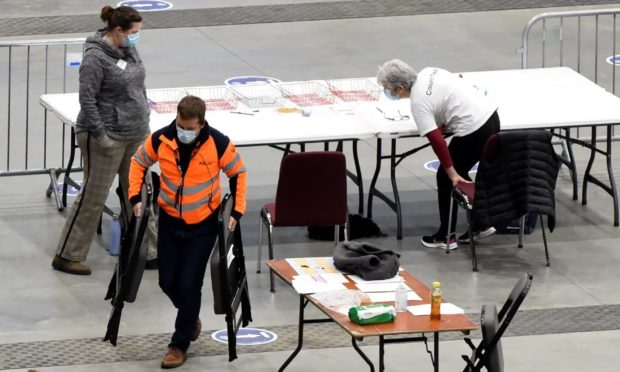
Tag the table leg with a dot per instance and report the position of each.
(375, 176)
(572, 165)
(66, 181)
(360, 182)
(436, 351)
(53, 189)
(381, 354)
(399, 214)
(300, 335)
(586, 175)
(612, 182)
(361, 353)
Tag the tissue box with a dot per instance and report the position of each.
(372, 314)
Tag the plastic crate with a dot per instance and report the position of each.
(354, 90)
(218, 98)
(259, 95)
(164, 101)
(307, 93)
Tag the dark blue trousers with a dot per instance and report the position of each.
(182, 254)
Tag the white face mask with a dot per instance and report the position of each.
(186, 136)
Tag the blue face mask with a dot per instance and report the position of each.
(131, 40)
(389, 95)
(186, 136)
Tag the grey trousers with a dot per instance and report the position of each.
(103, 158)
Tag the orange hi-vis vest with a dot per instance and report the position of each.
(192, 196)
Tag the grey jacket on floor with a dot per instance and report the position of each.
(112, 92)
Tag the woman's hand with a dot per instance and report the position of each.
(455, 177)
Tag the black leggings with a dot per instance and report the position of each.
(465, 152)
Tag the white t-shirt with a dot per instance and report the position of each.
(440, 97)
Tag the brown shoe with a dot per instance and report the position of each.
(70, 267)
(197, 330)
(173, 358)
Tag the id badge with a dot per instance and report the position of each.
(121, 64)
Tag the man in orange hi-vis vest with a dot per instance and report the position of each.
(190, 155)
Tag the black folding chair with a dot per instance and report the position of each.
(489, 353)
(128, 272)
(229, 279)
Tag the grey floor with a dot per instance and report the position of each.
(50, 321)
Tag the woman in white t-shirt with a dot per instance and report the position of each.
(440, 102)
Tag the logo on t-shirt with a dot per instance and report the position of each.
(431, 81)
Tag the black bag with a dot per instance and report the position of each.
(367, 260)
(359, 227)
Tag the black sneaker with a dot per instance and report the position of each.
(439, 241)
(464, 239)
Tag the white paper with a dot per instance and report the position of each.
(304, 284)
(324, 278)
(313, 265)
(390, 296)
(358, 279)
(379, 287)
(446, 309)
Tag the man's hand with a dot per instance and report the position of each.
(137, 209)
(232, 223)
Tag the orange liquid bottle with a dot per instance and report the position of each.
(436, 301)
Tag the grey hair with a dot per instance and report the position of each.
(396, 72)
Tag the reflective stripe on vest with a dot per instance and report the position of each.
(191, 189)
(187, 207)
(232, 164)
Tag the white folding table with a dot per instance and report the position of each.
(246, 127)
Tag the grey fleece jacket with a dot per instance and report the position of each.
(112, 92)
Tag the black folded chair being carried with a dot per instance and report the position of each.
(128, 272)
(228, 277)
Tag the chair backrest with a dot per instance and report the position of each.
(516, 175)
(489, 323)
(312, 189)
(519, 291)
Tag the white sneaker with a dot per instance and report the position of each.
(464, 239)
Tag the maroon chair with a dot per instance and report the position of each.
(312, 190)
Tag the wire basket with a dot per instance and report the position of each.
(164, 101)
(354, 90)
(218, 98)
(259, 96)
(307, 93)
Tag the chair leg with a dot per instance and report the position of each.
(521, 231)
(259, 248)
(336, 234)
(544, 234)
(449, 223)
(472, 242)
(272, 277)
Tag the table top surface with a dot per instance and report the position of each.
(527, 99)
(405, 323)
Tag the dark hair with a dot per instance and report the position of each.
(122, 16)
(191, 107)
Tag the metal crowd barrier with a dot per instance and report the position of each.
(585, 41)
(32, 143)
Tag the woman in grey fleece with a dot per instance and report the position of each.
(112, 123)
